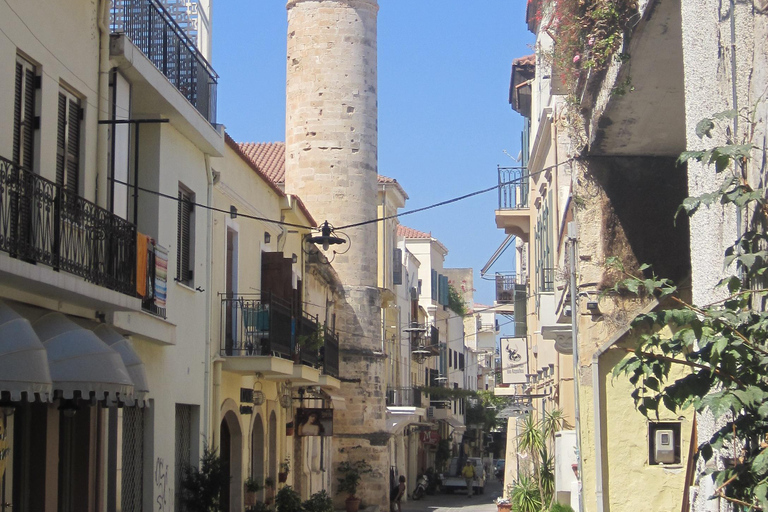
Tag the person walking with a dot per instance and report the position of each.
(469, 475)
(396, 495)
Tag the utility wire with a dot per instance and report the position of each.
(212, 208)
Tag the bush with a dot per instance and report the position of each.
(201, 488)
(319, 502)
(288, 500)
(559, 507)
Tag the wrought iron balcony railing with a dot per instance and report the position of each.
(329, 354)
(403, 397)
(154, 31)
(252, 325)
(256, 325)
(42, 222)
(546, 279)
(507, 284)
(308, 339)
(513, 188)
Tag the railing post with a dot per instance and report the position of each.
(56, 249)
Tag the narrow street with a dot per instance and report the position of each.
(458, 501)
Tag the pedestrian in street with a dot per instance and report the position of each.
(396, 495)
(469, 475)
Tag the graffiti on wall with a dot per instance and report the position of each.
(164, 496)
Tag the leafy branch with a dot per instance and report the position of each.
(722, 344)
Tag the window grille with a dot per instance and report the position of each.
(133, 459)
(183, 457)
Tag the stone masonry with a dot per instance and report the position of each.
(331, 163)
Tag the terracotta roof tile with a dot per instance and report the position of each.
(528, 60)
(407, 232)
(269, 157)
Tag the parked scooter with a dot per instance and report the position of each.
(421, 488)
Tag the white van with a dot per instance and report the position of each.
(452, 480)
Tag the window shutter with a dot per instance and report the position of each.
(434, 284)
(61, 140)
(28, 125)
(73, 147)
(461, 361)
(184, 238)
(17, 113)
(397, 267)
(24, 114)
(450, 358)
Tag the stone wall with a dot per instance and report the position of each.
(331, 163)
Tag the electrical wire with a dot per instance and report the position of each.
(212, 208)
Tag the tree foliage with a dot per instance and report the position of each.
(201, 488)
(721, 346)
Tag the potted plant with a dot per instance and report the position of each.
(269, 490)
(289, 429)
(318, 502)
(351, 472)
(285, 468)
(288, 500)
(251, 487)
(201, 488)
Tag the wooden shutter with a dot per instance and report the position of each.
(24, 114)
(73, 146)
(184, 237)
(276, 275)
(68, 142)
(397, 267)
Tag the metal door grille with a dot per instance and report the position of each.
(183, 447)
(133, 459)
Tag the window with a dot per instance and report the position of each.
(133, 459)
(184, 439)
(664, 443)
(450, 357)
(68, 142)
(434, 284)
(185, 237)
(397, 267)
(455, 359)
(461, 361)
(544, 255)
(24, 109)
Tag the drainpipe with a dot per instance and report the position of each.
(208, 308)
(735, 96)
(102, 134)
(572, 237)
(598, 430)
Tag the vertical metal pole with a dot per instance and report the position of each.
(136, 176)
(573, 229)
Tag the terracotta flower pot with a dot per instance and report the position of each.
(282, 477)
(504, 507)
(250, 498)
(352, 504)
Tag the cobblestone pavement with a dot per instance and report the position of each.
(457, 501)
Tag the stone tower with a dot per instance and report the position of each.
(331, 163)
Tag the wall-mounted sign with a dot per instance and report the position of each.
(246, 409)
(314, 422)
(514, 360)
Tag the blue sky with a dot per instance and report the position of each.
(444, 117)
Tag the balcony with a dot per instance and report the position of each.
(261, 333)
(44, 224)
(153, 30)
(403, 397)
(513, 214)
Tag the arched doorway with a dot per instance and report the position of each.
(257, 452)
(231, 453)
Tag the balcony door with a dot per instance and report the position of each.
(231, 290)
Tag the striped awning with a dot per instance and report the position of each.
(24, 372)
(132, 361)
(82, 365)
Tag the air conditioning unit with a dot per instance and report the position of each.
(664, 449)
